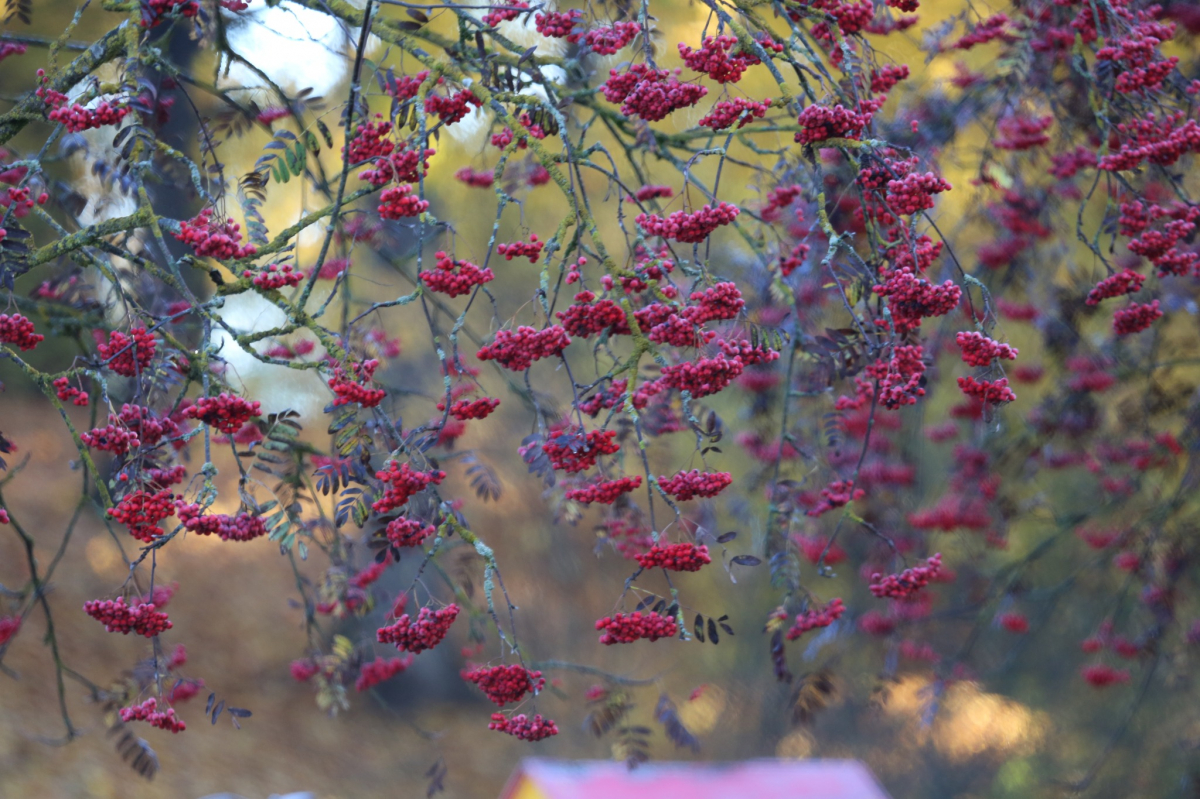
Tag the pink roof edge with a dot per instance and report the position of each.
(754, 779)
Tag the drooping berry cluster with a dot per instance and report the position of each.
(141, 511)
(148, 711)
(1021, 132)
(464, 410)
(453, 108)
(1159, 142)
(682, 557)
(522, 727)
(625, 629)
(400, 166)
(907, 582)
(715, 60)
(703, 377)
(914, 193)
(509, 12)
(819, 122)
(739, 110)
(380, 670)
(18, 331)
(607, 41)
(530, 249)
(570, 450)
(505, 684)
(1135, 318)
(650, 93)
(993, 391)
(689, 228)
(226, 412)
(687, 485)
(350, 388)
(588, 317)
(405, 532)
(979, 350)
(455, 278)
(76, 118)
(816, 619)
(117, 617)
(559, 24)
(128, 355)
(241, 527)
(913, 298)
(518, 349)
(401, 482)
(275, 276)
(211, 238)
(605, 492)
(426, 632)
(399, 202)
(836, 495)
(113, 438)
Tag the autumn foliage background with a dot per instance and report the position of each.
(1086, 479)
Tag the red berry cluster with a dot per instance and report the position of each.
(18, 330)
(141, 511)
(689, 228)
(907, 582)
(401, 482)
(371, 141)
(979, 350)
(19, 203)
(605, 492)
(747, 353)
(816, 619)
(987, 30)
(113, 438)
(686, 485)
(683, 557)
(714, 59)
(739, 110)
(148, 711)
(704, 377)
(380, 670)
(650, 93)
(352, 388)
(212, 239)
(1135, 318)
(607, 41)
(3, 516)
(1020, 132)
(242, 527)
(1120, 284)
(645, 193)
(1013, 622)
(614, 395)
(399, 202)
(64, 391)
(531, 249)
(505, 684)
(154, 10)
(425, 633)
(9, 625)
(464, 410)
(522, 727)
(993, 391)
(453, 108)
(117, 617)
(914, 193)
(819, 122)
(275, 276)
(498, 15)
(226, 412)
(518, 349)
(1159, 142)
(11, 48)
(720, 302)
(455, 278)
(482, 179)
(401, 166)
(405, 532)
(835, 495)
(571, 451)
(586, 318)
(76, 118)
(128, 355)
(678, 332)
(625, 629)
(913, 298)
(148, 427)
(558, 24)
(1102, 675)
(883, 80)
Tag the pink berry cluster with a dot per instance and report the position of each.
(380, 670)
(625, 629)
(9, 625)
(405, 532)
(509, 12)
(703, 377)
(464, 410)
(400, 166)
(154, 10)
(1161, 142)
(522, 727)
(211, 238)
(76, 118)
(689, 228)
(559, 24)
(141, 511)
(1135, 318)
(739, 109)
(820, 122)
(882, 80)
(1102, 675)
(607, 41)
(571, 451)
(1021, 132)
(979, 350)
(682, 557)
(11, 48)
(914, 193)
(715, 59)
(518, 349)
(837, 494)
(688, 485)
(588, 317)
(816, 619)
(148, 711)
(993, 391)
(398, 202)
(275, 276)
(530, 249)
(605, 492)
(426, 632)
(650, 93)
(913, 298)
(505, 684)
(717, 303)
(1118, 285)
(240, 527)
(225, 412)
(18, 331)
(482, 179)
(401, 481)
(117, 617)
(128, 355)
(907, 582)
(455, 278)
(351, 386)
